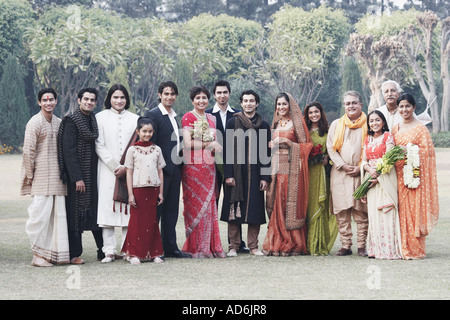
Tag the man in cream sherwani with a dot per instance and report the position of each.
(116, 126)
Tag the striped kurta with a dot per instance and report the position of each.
(47, 222)
(40, 158)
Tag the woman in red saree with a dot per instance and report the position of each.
(287, 198)
(199, 180)
(418, 206)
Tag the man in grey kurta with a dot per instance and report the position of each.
(46, 225)
(344, 144)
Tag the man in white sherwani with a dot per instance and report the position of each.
(116, 126)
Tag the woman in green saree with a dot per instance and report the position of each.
(322, 225)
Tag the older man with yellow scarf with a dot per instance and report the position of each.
(345, 145)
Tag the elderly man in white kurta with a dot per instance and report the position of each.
(116, 126)
(345, 144)
(47, 222)
(391, 90)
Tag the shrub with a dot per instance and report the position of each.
(441, 139)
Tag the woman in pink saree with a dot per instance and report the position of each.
(199, 179)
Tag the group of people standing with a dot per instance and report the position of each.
(395, 217)
(298, 170)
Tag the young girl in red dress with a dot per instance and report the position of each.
(144, 162)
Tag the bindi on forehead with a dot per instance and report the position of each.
(48, 97)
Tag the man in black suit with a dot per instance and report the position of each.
(166, 136)
(223, 112)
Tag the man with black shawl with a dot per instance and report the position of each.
(78, 166)
(246, 173)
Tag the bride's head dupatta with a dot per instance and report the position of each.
(298, 186)
(301, 130)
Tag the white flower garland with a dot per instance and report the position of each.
(411, 170)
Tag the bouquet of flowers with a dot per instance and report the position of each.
(316, 155)
(411, 170)
(383, 166)
(202, 131)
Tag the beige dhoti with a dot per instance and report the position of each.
(47, 228)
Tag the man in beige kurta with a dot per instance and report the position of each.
(345, 173)
(47, 224)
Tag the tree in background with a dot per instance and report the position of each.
(379, 60)
(182, 76)
(413, 43)
(440, 7)
(71, 50)
(132, 8)
(15, 16)
(297, 51)
(351, 80)
(418, 47)
(150, 50)
(225, 35)
(445, 73)
(42, 5)
(377, 47)
(14, 109)
(90, 43)
(183, 10)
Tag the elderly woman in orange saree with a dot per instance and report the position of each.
(418, 204)
(287, 198)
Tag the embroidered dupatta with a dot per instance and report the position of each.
(298, 190)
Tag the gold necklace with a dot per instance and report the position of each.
(198, 115)
(282, 125)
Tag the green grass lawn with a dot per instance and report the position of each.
(243, 277)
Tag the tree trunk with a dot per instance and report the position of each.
(428, 22)
(445, 75)
(377, 58)
(423, 34)
(376, 97)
